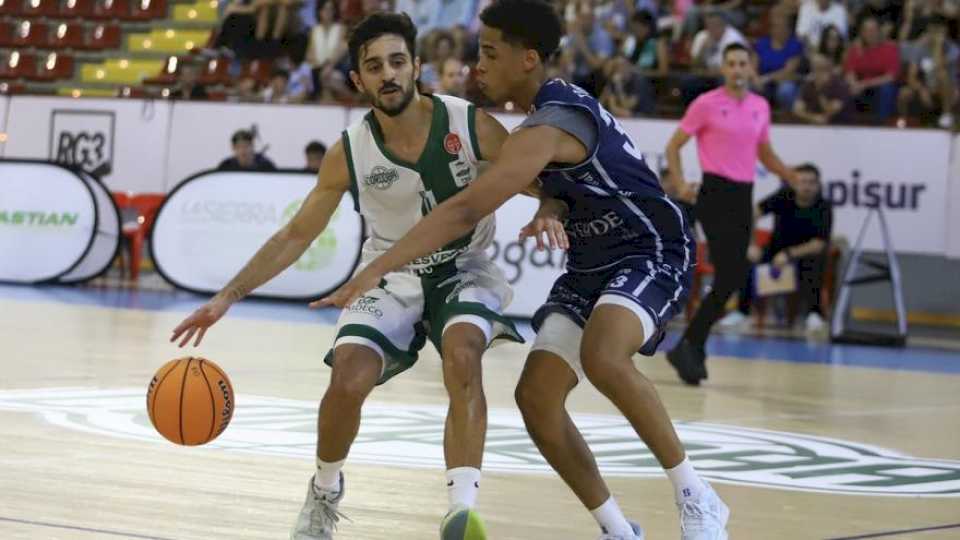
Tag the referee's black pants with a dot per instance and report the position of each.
(725, 211)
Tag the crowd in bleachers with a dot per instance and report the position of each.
(879, 62)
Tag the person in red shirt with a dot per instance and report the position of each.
(872, 65)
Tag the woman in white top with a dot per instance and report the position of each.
(326, 49)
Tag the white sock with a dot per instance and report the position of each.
(611, 519)
(686, 481)
(328, 475)
(463, 483)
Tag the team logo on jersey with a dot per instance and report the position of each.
(381, 178)
(452, 144)
(412, 436)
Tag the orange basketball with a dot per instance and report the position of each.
(190, 401)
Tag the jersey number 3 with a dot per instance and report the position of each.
(628, 146)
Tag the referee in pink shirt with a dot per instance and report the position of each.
(732, 128)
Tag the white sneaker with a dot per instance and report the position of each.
(732, 319)
(637, 534)
(319, 516)
(945, 121)
(815, 322)
(704, 518)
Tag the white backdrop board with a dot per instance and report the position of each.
(128, 137)
(200, 133)
(213, 223)
(47, 221)
(953, 205)
(106, 240)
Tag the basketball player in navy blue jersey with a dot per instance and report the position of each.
(630, 261)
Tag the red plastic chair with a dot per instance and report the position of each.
(10, 7)
(41, 8)
(18, 66)
(103, 36)
(67, 36)
(110, 9)
(30, 34)
(142, 207)
(55, 66)
(145, 10)
(76, 8)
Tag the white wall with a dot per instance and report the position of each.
(4, 111)
(130, 134)
(156, 144)
(953, 213)
(200, 133)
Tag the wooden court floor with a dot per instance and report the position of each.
(797, 450)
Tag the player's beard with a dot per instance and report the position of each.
(405, 99)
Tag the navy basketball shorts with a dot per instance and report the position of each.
(654, 292)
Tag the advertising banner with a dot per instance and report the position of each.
(106, 241)
(122, 141)
(47, 220)
(213, 223)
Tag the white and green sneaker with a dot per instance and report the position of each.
(319, 516)
(462, 523)
(637, 533)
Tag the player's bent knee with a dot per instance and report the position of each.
(462, 370)
(356, 371)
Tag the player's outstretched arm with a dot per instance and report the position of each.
(280, 251)
(524, 154)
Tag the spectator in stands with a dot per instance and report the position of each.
(238, 28)
(778, 60)
(833, 46)
(625, 92)
(246, 89)
(931, 73)
(188, 86)
(825, 96)
(647, 51)
(707, 56)
(244, 157)
(314, 153)
(278, 89)
(327, 51)
(816, 16)
(803, 221)
(441, 49)
(278, 20)
(886, 12)
(872, 65)
(916, 13)
(452, 78)
(732, 11)
(423, 13)
(591, 44)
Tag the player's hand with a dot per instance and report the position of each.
(781, 259)
(753, 253)
(689, 192)
(351, 290)
(547, 226)
(200, 320)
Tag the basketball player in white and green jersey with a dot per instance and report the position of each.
(410, 153)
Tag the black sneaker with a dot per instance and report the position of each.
(689, 361)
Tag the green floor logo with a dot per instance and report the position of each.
(38, 218)
(412, 436)
(323, 247)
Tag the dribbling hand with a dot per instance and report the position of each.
(199, 321)
(548, 231)
(365, 280)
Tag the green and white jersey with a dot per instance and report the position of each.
(393, 194)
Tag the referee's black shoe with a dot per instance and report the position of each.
(689, 361)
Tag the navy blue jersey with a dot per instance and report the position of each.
(618, 210)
